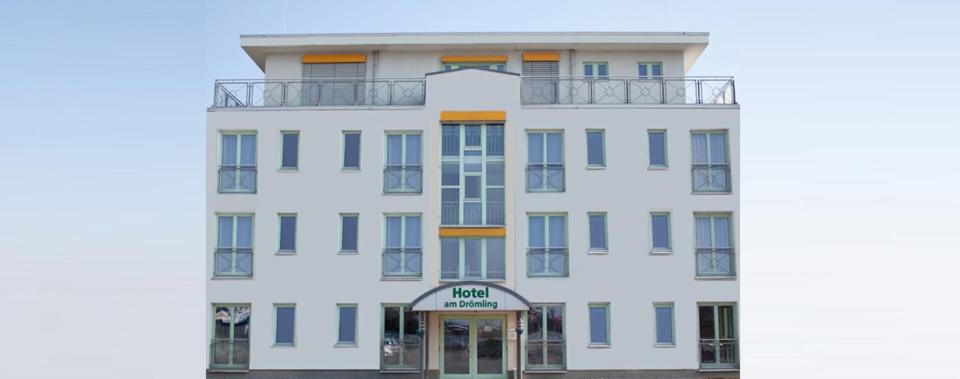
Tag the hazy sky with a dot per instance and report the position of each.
(849, 180)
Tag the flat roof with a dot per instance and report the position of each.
(258, 46)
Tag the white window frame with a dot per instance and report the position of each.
(356, 326)
(608, 317)
(666, 154)
(256, 160)
(233, 245)
(296, 233)
(545, 163)
(727, 160)
(403, 158)
(343, 151)
(595, 67)
(603, 149)
(283, 148)
(673, 324)
(546, 367)
(340, 246)
(399, 368)
(403, 246)
(276, 324)
(660, 250)
(606, 236)
(546, 242)
(713, 243)
(649, 66)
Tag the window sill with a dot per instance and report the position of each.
(348, 252)
(349, 170)
(716, 277)
(285, 252)
(658, 168)
(598, 346)
(229, 370)
(401, 278)
(231, 277)
(236, 192)
(718, 370)
(598, 252)
(595, 167)
(345, 345)
(402, 193)
(664, 345)
(283, 346)
(288, 170)
(544, 371)
(712, 193)
(400, 371)
(472, 280)
(661, 252)
(548, 276)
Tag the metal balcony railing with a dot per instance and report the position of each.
(715, 262)
(547, 261)
(237, 179)
(402, 178)
(718, 353)
(545, 177)
(546, 354)
(627, 90)
(319, 92)
(229, 353)
(402, 261)
(236, 261)
(714, 177)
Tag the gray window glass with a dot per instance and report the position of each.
(664, 316)
(451, 140)
(495, 140)
(348, 239)
(291, 146)
(288, 230)
(496, 248)
(449, 258)
(451, 174)
(598, 232)
(494, 173)
(351, 150)
(413, 149)
(661, 231)
(348, 325)
(658, 148)
(472, 259)
(595, 148)
(472, 135)
(285, 318)
(598, 324)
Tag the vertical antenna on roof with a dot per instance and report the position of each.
(284, 16)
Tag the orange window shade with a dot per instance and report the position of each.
(334, 58)
(541, 57)
(448, 116)
(473, 232)
(473, 58)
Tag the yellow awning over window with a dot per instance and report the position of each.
(334, 58)
(473, 232)
(448, 116)
(473, 58)
(541, 57)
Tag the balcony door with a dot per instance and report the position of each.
(473, 347)
(333, 83)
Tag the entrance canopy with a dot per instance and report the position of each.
(470, 296)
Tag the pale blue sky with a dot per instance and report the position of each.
(849, 191)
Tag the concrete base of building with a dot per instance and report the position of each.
(433, 374)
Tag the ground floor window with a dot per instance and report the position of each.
(546, 343)
(400, 344)
(718, 336)
(472, 258)
(230, 345)
(600, 324)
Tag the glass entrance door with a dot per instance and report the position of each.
(473, 347)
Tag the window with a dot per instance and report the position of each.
(714, 246)
(234, 256)
(403, 170)
(291, 149)
(472, 175)
(349, 225)
(595, 69)
(285, 322)
(402, 253)
(650, 69)
(400, 343)
(660, 229)
(331, 84)
(547, 245)
(492, 66)
(658, 148)
(288, 233)
(540, 84)
(472, 259)
(346, 325)
(598, 231)
(663, 314)
(238, 163)
(546, 342)
(718, 336)
(711, 167)
(545, 171)
(596, 156)
(351, 150)
(230, 347)
(600, 324)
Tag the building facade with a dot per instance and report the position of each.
(473, 205)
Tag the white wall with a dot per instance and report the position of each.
(317, 278)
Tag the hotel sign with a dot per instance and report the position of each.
(470, 297)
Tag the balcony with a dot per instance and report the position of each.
(319, 92)
(627, 90)
(717, 262)
(402, 262)
(402, 178)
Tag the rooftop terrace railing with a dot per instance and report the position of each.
(627, 90)
(319, 92)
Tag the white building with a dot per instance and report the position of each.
(461, 205)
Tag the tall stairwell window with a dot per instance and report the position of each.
(472, 174)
